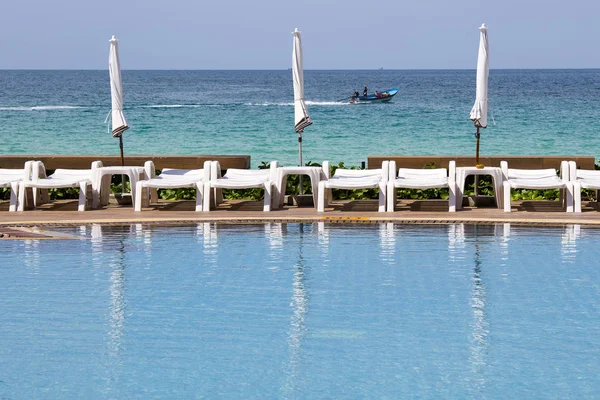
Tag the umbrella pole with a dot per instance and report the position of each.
(122, 165)
(300, 159)
(477, 164)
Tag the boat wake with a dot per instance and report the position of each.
(291, 104)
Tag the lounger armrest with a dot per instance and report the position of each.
(28, 170)
(504, 168)
(326, 170)
(206, 170)
(572, 171)
(38, 170)
(150, 169)
(393, 172)
(96, 164)
(274, 174)
(564, 171)
(215, 170)
(451, 171)
(385, 171)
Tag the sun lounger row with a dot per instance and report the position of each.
(31, 184)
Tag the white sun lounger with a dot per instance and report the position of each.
(170, 178)
(61, 178)
(582, 179)
(239, 179)
(353, 179)
(426, 178)
(10, 178)
(538, 179)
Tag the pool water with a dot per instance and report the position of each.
(302, 311)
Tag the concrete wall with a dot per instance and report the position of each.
(83, 162)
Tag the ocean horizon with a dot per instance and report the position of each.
(181, 111)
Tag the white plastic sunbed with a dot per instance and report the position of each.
(353, 179)
(538, 179)
(425, 178)
(61, 178)
(170, 178)
(10, 178)
(239, 179)
(582, 179)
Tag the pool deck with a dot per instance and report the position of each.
(408, 212)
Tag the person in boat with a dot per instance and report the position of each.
(355, 95)
(377, 94)
(365, 91)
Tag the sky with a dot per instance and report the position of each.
(349, 34)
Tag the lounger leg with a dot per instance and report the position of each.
(96, 180)
(506, 197)
(218, 196)
(577, 196)
(37, 197)
(321, 197)
(40, 196)
(569, 197)
(452, 197)
(207, 197)
(199, 196)
(22, 199)
(391, 203)
(82, 195)
(382, 196)
(14, 194)
(267, 206)
(141, 193)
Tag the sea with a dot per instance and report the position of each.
(241, 112)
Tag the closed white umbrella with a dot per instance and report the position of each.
(301, 117)
(479, 111)
(119, 123)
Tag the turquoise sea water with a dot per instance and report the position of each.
(302, 311)
(538, 112)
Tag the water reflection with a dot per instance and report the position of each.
(568, 249)
(297, 330)
(109, 245)
(274, 233)
(479, 324)
(210, 241)
(467, 242)
(31, 257)
(387, 243)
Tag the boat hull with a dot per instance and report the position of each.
(386, 96)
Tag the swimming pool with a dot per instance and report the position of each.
(302, 311)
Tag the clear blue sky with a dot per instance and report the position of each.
(349, 34)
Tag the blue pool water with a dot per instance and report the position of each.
(302, 311)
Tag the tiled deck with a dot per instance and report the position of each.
(410, 212)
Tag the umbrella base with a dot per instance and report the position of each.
(479, 201)
(304, 200)
(123, 199)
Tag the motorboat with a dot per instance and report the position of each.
(377, 97)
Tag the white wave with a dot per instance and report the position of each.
(171, 106)
(39, 108)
